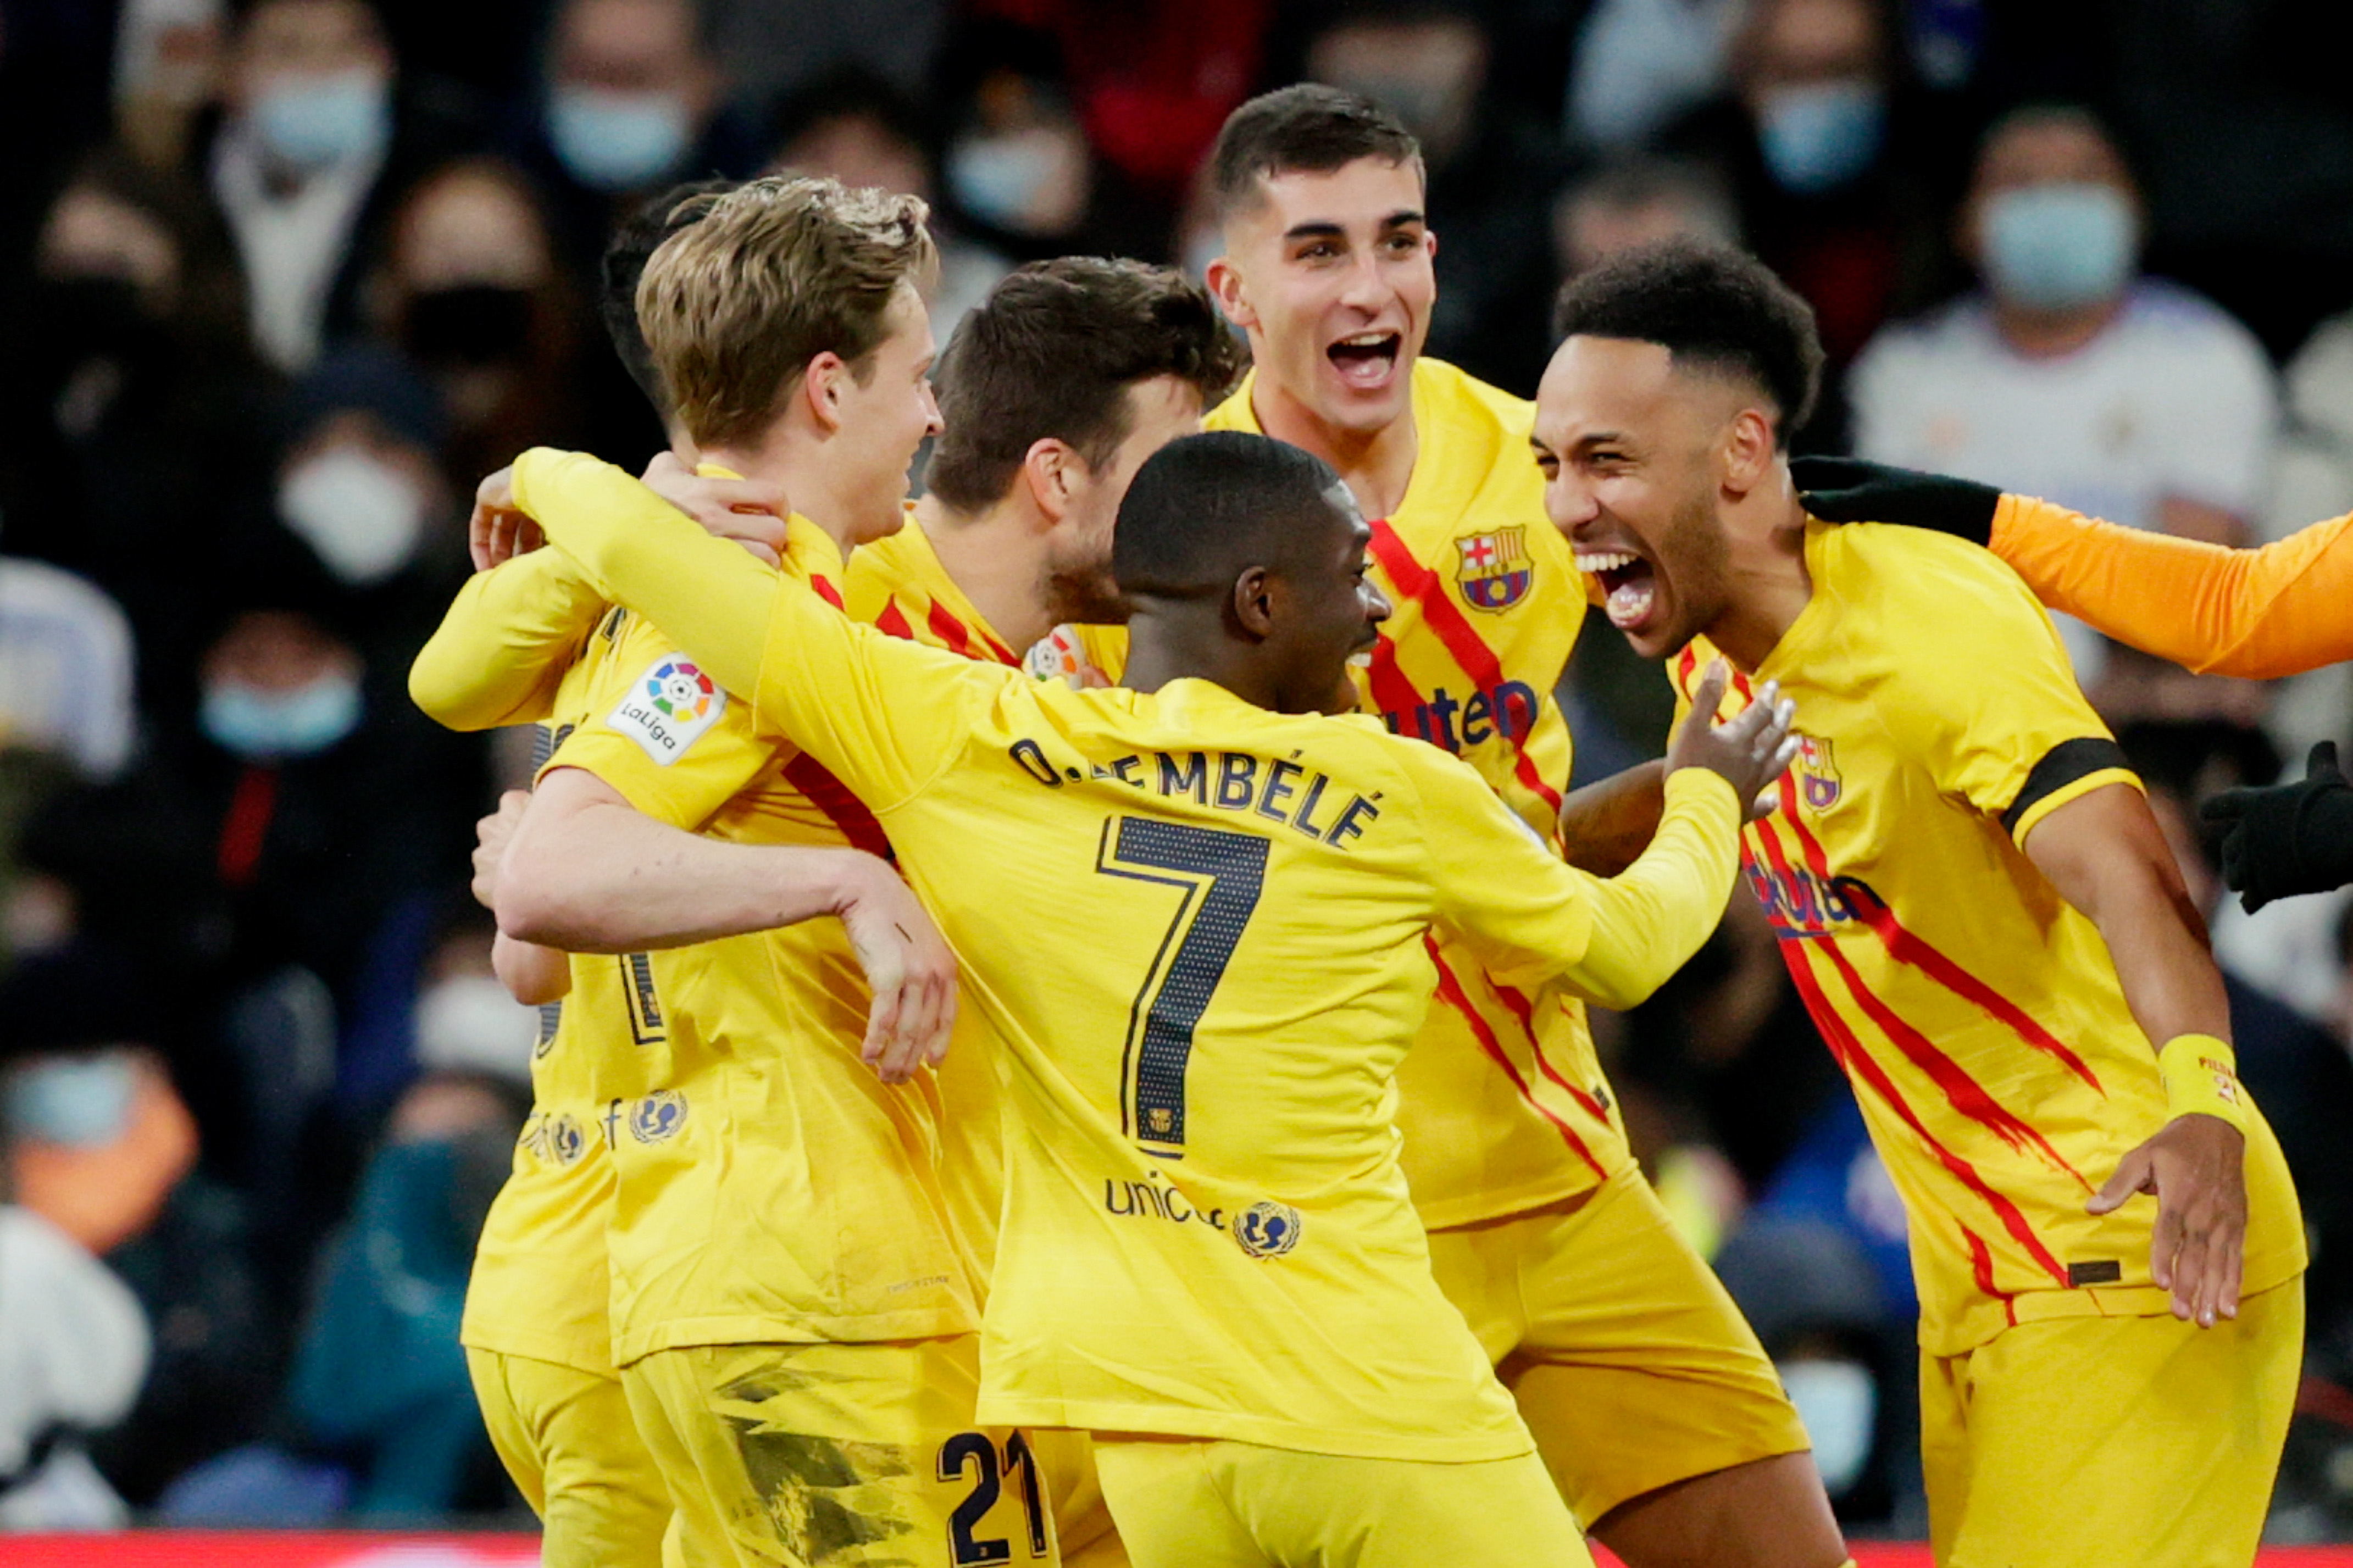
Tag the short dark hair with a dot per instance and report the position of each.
(1051, 352)
(638, 236)
(1306, 128)
(1204, 509)
(1707, 305)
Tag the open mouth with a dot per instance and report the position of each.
(1627, 582)
(1367, 359)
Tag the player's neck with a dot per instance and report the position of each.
(786, 458)
(1770, 585)
(1376, 464)
(995, 557)
(1185, 640)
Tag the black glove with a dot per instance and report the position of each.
(2290, 838)
(1848, 490)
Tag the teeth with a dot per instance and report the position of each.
(1605, 562)
(1368, 340)
(1361, 660)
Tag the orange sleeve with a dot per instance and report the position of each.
(2257, 613)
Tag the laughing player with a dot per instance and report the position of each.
(1989, 930)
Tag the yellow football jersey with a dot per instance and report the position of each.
(1200, 929)
(1976, 1012)
(1503, 1106)
(539, 1287)
(898, 586)
(771, 1187)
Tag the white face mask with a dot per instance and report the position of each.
(360, 516)
(1839, 1402)
(470, 1023)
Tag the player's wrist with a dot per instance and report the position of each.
(2201, 1079)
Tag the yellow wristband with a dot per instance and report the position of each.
(2201, 1077)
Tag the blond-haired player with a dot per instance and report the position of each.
(1209, 1260)
(1655, 1408)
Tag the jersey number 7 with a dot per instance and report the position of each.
(1221, 874)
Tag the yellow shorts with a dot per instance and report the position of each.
(566, 1438)
(1190, 1504)
(1082, 1521)
(2076, 1440)
(1631, 1366)
(839, 1453)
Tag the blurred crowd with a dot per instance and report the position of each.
(283, 279)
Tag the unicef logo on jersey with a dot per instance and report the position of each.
(1267, 1229)
(658, 1117)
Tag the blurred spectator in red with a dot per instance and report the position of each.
(855, 127)
(2069, 375)
(1151, 83)
(471, 289)
(136, 430)
(297, 164)
(1492, 171)
(1832, 161)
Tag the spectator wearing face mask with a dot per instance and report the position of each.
(629, 101)
(1489, 169)
(2069, 374)
(298, 163)
(1838, 172)
(473, 293)
(136, 430)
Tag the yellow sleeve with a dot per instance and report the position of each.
(499, 653)
(2257, 614)
(667, 739)
(1531, 918)
(884, 715)
(1986, 686)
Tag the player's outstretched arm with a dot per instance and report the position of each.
(587, 872)
(2106, 856)
(2257, 613)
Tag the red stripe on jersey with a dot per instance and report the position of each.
(843, 809)
(1450, 991)
(1460, 639)
(1392, 691)
(893, 621)
(949, 630)
(1907, 948)
(1965, 1094)
(1860, 1064)
(824, 589)
(1981, 1267)
(1519, 1007)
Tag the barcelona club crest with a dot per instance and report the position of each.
(1817, 774)
(1267, 1229)
(1495, 571)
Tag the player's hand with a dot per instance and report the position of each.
(909, 966)
(2197, 1167)
(491, 836)
(499, 530)
(752, 512)
(1750, 751)
(1848, 490)
(2290, 838)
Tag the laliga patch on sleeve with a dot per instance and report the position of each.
(668, 711)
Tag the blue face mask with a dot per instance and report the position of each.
(311, 122)
(80, 1101)
(1839, 1402)
(617, 140)
(1820, 135)
(262, 726)
(2060, 247)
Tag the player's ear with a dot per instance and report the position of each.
(1052, 469)
(1256, 592)
(820, 386)
(1225, 285)
(1748, 451)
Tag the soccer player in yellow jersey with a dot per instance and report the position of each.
(1051, 393)
(794, 1324)
(1989, 930)
(1209, 1260)
(1655, 1408)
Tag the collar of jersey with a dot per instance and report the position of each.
(807, 544)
